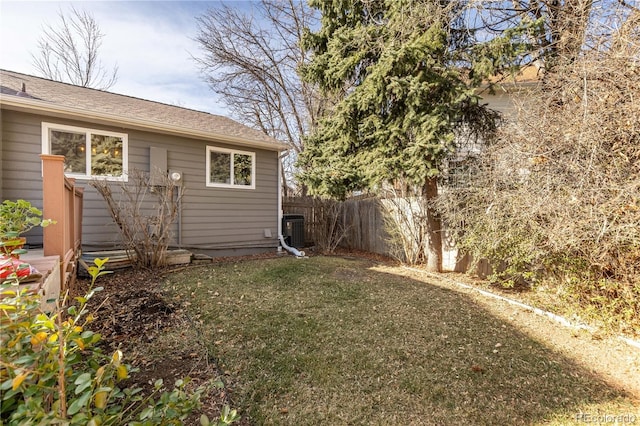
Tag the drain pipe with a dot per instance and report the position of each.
(283, 245)
(297, 253)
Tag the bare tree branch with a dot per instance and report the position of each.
(557, 31)
(69, 52)
(252, 62)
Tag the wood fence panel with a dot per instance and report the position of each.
(306, 207)
(364, 224)
(364, 221)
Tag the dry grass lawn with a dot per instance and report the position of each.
(330, 340)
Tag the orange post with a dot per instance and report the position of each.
(62, 202)
(53, 206)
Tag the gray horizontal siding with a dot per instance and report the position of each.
(211, 217)
(21, 164)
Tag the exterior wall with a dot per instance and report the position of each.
(213, 219)
(508, 98)
(500, 101)
(21, 168)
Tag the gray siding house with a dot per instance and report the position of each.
(229, 173)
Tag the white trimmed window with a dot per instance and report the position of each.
(228, 168)
(87, 153)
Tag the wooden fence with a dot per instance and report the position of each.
(363, 222)
(62, 202)
(307, 207)
(360, 223)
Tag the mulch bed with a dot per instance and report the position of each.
(131, 313)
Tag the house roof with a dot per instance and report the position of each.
(28, 93)
(526, 74)
(527, 77)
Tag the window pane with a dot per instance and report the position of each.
(220, 163)
(242, 169)
(72, 145)
(106, 155)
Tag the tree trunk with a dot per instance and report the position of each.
(571, 28)
(434, 224)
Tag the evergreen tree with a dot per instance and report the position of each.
(396, 68)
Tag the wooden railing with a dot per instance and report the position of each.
(62, 202)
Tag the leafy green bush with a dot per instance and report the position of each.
(52, 372)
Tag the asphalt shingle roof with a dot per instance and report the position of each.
(116, 105)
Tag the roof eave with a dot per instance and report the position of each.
(508, 87)
(36, 105)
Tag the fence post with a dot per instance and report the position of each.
(53, 204)
(78, 196)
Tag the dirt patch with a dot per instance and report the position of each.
(134, 315)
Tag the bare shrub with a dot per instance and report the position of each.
(406, 225)
(144, 214)
(558, 196)
(330, 228)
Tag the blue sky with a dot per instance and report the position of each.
(150, 41)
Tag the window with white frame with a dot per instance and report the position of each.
(228, 168)
(87, 152)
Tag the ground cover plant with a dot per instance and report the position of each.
(52, 370)
(331, 340)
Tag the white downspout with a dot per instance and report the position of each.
(283, 245)
(294, 251)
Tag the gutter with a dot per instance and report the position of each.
(30, 105)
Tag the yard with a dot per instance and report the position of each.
(331, 340)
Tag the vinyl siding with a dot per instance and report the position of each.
(21, 167)
(212, 218)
